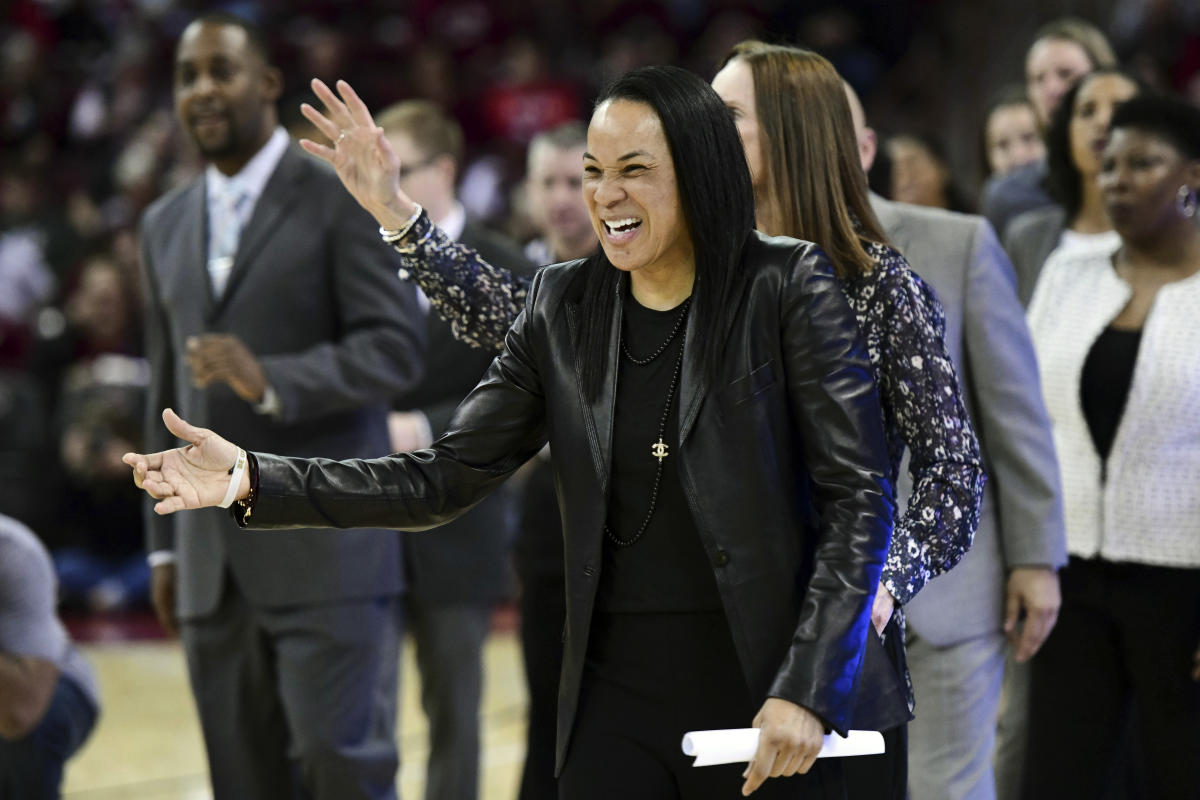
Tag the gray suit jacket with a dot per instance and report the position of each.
(314, 295)
(1021, 522)
(1029, 241)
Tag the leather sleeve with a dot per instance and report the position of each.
(499, 426)
(836, 410)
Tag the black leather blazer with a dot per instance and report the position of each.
(783, 463)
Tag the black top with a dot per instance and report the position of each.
(1104, 384)
(666, 569)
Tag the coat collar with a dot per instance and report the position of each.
(600, 411)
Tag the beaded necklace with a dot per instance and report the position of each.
(659, 448)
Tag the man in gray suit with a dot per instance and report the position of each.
(1007, 584)
(454, 578)
(273, 310)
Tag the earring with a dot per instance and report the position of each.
(1185, 199)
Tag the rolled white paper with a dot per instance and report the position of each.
(739, 744)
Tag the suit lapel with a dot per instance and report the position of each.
(192, 241)
(281, 191)
(599, 412)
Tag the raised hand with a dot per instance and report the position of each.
(195, 476)
(365, 162)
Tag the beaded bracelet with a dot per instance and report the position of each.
(391, 236)
(242, 509)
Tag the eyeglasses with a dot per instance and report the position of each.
(409, 169)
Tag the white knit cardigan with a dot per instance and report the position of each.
(1147, 508)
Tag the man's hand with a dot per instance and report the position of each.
(408, 431)
(222, 358)
(790, 739)
(195, 476)
(162, 596)
(882, 608)
(361, 154)
(1033, 594)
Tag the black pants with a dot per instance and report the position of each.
(543, 612)
(885, 776)
(649, 679)
(1124, 643)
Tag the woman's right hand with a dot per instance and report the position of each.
(195, 476)
(361, 155)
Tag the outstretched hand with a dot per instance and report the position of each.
(361, 155)
(195, 476)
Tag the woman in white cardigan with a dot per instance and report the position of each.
(1117, 333)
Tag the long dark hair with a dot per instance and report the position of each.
(1063, 180)
(715, 196)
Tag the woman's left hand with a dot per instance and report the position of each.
(361, 155)
(882, 608)
(788, 743)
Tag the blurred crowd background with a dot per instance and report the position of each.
(88, 139)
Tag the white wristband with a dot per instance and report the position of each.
(235, 479)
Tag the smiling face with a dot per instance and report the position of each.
(735, 85)
(630, 190)
(1051, 69)
(1012, 138)
(1140, 178)
(225, 93)
(1093, 109)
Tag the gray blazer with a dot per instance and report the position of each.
(314, 295)
(1029, 241)
(1021, 521)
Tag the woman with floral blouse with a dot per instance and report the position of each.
(803, 160)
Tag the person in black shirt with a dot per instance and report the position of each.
(720, 459)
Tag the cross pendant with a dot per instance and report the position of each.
(659, 450)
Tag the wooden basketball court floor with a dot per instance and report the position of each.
(147, 744)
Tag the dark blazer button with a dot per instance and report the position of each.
(589, 570)
(720, 558)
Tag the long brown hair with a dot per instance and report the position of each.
(815, 183)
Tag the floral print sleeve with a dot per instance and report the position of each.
(923, 409)
(480, 301)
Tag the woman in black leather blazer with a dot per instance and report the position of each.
(775, 442)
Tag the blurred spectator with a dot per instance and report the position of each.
(26, 277)
(1078, 134)
(1063, 51)
(921, 175)
(1011, 135)
(554, 192)
(94, 382)
(48, 694)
